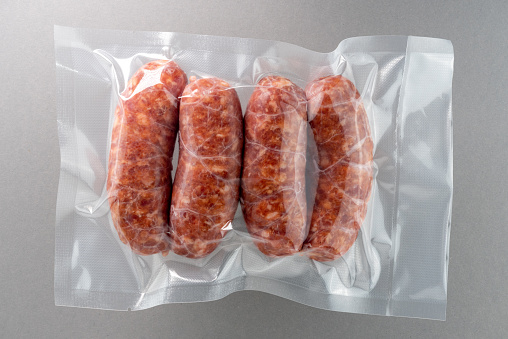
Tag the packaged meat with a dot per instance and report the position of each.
(205, 195)
(323, 178)
(273, 179)
(344, 166)
(142, 144)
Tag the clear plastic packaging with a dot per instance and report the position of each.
(396, 174)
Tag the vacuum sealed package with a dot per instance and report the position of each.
(194, 166)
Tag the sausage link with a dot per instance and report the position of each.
(342, 134)
(207, 181)
(142, 144)
(273, 179)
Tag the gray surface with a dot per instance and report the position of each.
(478, 293)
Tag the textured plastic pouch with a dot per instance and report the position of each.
(398, 263)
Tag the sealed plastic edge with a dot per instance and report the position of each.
(235, 45)
(67, 185)
(422, 191)
(189, 294)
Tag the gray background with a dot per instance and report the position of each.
(478, 292)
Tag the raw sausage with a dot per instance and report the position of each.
(342, 134)
(207, 181)
(142, 144)
(273, 179)
(341, 130)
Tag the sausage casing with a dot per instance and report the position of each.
(273, 179)
(206, 189)
(345, 151)
(142, 144)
